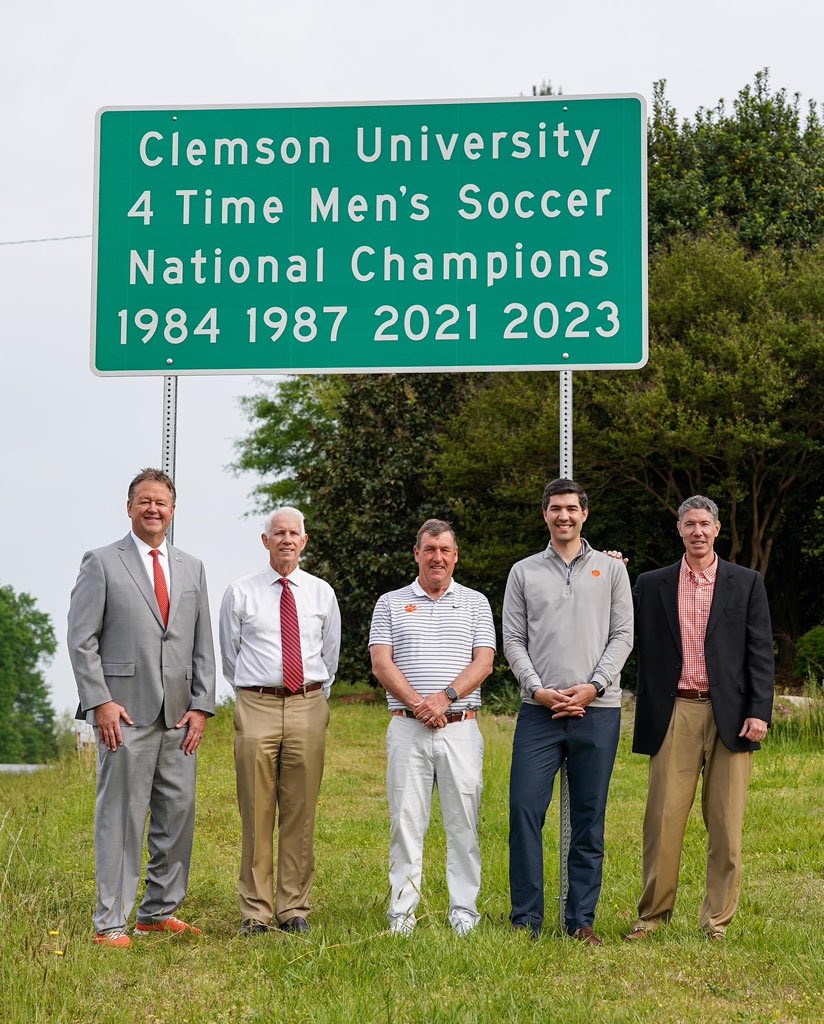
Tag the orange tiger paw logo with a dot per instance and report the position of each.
(596, 572)
(410, 608)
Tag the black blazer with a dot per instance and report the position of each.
(738, 648)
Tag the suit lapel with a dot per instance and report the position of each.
(721, 594)
(130, 557)
(175, 579)
(669, 598)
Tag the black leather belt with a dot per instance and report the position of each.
(694, 694)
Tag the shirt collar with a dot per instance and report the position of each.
(550, 552)
(144, 548)
(418, 590)
(707, 574)
(294, 576)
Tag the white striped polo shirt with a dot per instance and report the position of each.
(432, 641)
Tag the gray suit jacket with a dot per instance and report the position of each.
(119, 648)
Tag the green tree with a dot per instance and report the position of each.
(293, 423)
(733, 402)
(758, 169)
(27, 725)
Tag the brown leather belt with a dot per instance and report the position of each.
(281, 691)
(694, 694)
(450, 716)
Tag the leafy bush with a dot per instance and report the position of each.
(809, 654)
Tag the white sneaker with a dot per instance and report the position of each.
(462, 925)
(404, 925)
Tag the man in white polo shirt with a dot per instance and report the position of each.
(432, 645)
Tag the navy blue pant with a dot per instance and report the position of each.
(541, 743)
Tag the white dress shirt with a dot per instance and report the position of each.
(250, 643)
(148, 562)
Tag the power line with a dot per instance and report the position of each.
(33, 241)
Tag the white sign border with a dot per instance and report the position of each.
(315, 371)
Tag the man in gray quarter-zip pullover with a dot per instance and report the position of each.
(567, 627)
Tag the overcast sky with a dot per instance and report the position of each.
(71, 441)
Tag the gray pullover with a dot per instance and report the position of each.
(567, 624)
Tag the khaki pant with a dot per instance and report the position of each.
(280, 743)
(692, 745)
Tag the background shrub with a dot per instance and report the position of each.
(809, 654)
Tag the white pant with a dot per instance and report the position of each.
(419, 758)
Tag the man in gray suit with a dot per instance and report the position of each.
(140, 643)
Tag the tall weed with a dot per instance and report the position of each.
(799, 725)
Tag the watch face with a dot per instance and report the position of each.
(451, 693)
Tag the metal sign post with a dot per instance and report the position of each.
(565, 460)
(169, 435)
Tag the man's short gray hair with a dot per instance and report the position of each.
(698, 501)
(435, 527)
(267, 526)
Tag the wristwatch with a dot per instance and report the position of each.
(451, 693)
(600, 689)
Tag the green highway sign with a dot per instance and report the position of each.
(450, 235)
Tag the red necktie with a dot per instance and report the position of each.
(290, 639)
(160, 588)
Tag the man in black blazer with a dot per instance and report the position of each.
(704, 701)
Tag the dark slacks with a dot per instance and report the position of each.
(541, 743)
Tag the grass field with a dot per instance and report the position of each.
(348, 970)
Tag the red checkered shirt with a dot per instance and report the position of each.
(694, 601)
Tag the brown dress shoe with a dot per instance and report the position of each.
(587, 935)
(637, 933)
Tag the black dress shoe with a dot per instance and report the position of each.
(295, 924)
(254, 928)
